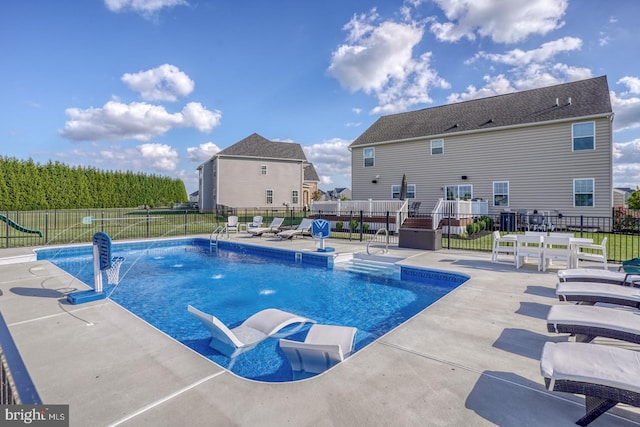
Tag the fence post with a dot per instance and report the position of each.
(148, 221)
(6, 215)
(361, 223)
(387, 226)
(186, 217)
(46, 226)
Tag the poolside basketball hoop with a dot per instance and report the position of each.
(102, 261)
(321, 229)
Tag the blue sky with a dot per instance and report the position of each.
(159, 86)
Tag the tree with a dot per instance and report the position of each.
(634, 200)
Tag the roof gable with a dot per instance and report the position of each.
(582, 98)
(257, 146)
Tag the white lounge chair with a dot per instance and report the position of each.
(588, 322)
(274, 227)
(256, 328)
(599, 276)
(255, 223)
(303, 228)
(592, 293)
(605, 375)
(324, 347)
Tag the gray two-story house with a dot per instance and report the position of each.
(546, 149)
(257, 173)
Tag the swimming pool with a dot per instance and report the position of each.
(159, 279)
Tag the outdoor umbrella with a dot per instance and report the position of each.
(403, 187)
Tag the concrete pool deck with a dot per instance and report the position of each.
(470, 359)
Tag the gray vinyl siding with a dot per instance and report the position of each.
(537, 161)
(241, 184)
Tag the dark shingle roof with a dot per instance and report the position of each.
(257, 146)
(310, 173)
(588, 98)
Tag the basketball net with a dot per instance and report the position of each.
(113, 273)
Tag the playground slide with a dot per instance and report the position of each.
(20, 227)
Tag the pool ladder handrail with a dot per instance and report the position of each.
(386, 246)
(218, 231)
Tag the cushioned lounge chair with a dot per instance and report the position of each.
(605, 375)
(274, 227)
(591, 293)
(587, 322)
(628, 274)
(258, 327)
(324, 347)
(304, 228)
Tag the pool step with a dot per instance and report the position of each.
(367, 267)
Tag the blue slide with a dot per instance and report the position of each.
(19, 227)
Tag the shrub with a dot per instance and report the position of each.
(339, 225)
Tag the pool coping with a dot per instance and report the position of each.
(469, 359)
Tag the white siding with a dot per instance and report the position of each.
(241, 185)
(537, 161)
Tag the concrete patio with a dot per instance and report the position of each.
(470, 359)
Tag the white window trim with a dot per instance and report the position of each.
(437, 140)
(458, 189)
(573, 145)
(593, 186)
(364, 157)
(266, 196)
(397, 186)
(494, 193)
(263, 169)
(295, 197)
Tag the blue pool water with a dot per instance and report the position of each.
(159, 280)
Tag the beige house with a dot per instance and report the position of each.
(257, 173)
(548, 149)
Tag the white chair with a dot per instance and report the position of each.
(529, 247)
(595, 252)
(232, 224)
(255, 223)
(504, 245)
(257, 328)
(324, 347)
(556, 248)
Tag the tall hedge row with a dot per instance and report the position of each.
(25, 185)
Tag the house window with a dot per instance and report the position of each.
(583, 192)
(501, 193)
(294, 197)
(269, 197)
(463, 192)
(263, 169)
(437, 146)
(584, 136)
(411, 191)
(369, 157)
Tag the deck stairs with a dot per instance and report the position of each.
(383, 266)
(418, 222)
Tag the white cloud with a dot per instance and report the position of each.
(633, 83)
(147, 8)
(626, 164)
(529, 70)
(504, 21)
(202, 152)
(142, 158)
(545, 52)
(627, 112)
(332, 161)
(163, 83)
(139, 121)
(497, 85)
(377, 58)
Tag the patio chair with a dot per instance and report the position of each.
(587, 322)
(325, 346)
(592, 293)
(255, 223)
(274, 227)
(529, 247)
(595, 252)
(556, 248)
(304, 228)
(257, 328)
(598, 276)
(605, 375)
(536, 222)
(504, 245)
(414, 207)
(232, 224)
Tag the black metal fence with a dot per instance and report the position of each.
(36, 228)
